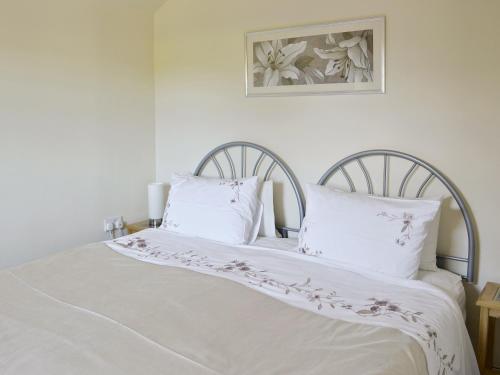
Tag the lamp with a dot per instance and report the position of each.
(156, 203)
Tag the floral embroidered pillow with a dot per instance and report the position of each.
(383, 235)
(429, 252)
(222, 210)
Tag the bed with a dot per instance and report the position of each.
(165, 303)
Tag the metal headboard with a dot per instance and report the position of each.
(275, 160)
(416, 163)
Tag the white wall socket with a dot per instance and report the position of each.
(112, 223)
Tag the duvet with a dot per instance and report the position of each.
(158, 303)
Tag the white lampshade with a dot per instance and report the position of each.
(156, 201)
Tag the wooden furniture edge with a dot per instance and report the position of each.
(487, 296)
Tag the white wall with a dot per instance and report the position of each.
(76, 120)
(442, 100)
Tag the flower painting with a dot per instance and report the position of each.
(276, 62)
(341, 57)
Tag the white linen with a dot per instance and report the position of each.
(418, 309)
(380, 235)
(449, 282)
(218, 209)
(286, 244)
(445, 280)
(268, 221)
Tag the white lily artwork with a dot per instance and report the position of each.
(276, 60)
(351, 59)
(341, 57)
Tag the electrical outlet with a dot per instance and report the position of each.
(112, 223)
(119, 223)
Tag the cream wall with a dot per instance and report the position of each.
(442, 100)
(76, 120)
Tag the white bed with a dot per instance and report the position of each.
(184, 305)
(159, 302)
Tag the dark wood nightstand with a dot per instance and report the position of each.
(489, 301)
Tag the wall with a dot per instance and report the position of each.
(76, 120)
(441, 102)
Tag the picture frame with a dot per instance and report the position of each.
(345, 57)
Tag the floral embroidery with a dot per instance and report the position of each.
(168, 223)
(318, 296)
(407, 228)
(385, 307)
(304, 247)
(235, 185)
(171, 224)
(446, 362)
(138, 243)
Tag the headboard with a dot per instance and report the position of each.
(359, 162)
(232, 160)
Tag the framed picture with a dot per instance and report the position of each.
(337, 58)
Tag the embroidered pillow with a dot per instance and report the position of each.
(429, 252)
(217, 209)
(383, 235)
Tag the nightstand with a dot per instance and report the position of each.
(489, 301)
(137, 227)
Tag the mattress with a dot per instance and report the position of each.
(155, 303)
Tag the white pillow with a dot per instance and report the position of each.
(428, 256)
(383, 235)
(221, 210)
(268, 222)
(428, 259)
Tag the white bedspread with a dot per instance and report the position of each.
(418, 309)
(447, 281)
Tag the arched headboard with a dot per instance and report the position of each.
(228, 168)
(415, 163)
